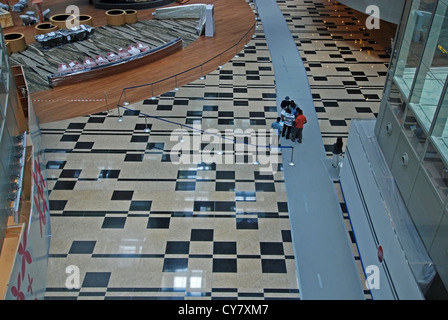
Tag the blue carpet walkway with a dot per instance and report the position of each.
(325, 263)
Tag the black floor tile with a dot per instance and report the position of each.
(64, 185)
(257, 122)
(273, 266)
(229, 175)
(96, 119)
(263, 176)
(82, 247)
(372, 96)
(140, 205)
(185, 186)
(271, 248)
(128, 112)
(56, 164)
(193, 121)
(282, 206)
(96, 279)
(134, 157)
(194, 113)
(109, 174)
(224, 247)
(245, 196)
(225, 206)
(210, 108)
(84, 145)
(286, 236)
(164, 107)
(246, 223)
(204, 206)
(122, 195)
(113, 222)
(155, 146)
(175, 265)
(68, 173)
(181, 102)
(264, 186)
(363, 110)
(70, 138)
(201, 235)
(76, 126)
(58, 205)
(224, 186)
(177, 247)
(253, 114)
(226, 122)
(338, 123)
(206, 167)
(158, 223)
(142, 126)
(270, 109)
(225, 114)
(186, 174)
(140, 138)
(224, 265)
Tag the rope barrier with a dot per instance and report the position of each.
(71, 100)
(201, 130)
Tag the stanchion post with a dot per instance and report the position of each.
(202, 72)
(146, 125)
(105, 98)
(126, 102)
(181, 134)
(219, 151)
(292, 157)
(152, 92)
(120, 118)
(256, 152)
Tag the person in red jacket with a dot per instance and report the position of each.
(300, 121)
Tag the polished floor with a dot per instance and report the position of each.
(139, 226)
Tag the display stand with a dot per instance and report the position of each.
(115, 17)
(16, 41)
(5, 19)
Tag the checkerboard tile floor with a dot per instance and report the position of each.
(139, 226)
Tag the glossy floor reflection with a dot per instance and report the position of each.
(139, 226)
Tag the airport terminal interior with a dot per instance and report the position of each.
(138, 222)
(199, 230)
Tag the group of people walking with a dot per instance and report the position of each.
(290, 125)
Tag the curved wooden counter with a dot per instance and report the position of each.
(117, 67)
(234, 24)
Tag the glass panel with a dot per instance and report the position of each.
(433, 70)
(440, 131)
(2, 120)
(414, 133)
(414, 39)
(437, 171)
(4, 73)
(396, 102)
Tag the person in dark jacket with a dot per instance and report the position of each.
(337, 152)
(285, 103)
